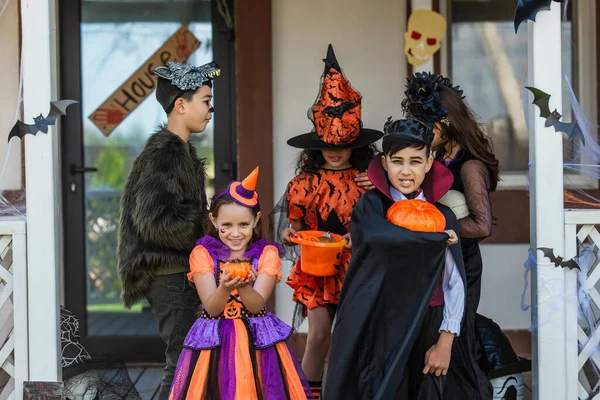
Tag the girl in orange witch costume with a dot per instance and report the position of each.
(236, 349)
(322, 198)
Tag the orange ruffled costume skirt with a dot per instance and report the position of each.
(318, 291)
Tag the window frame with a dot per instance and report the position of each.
(584, 69)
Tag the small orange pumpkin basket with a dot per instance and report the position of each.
(237, 269)
(318, 258)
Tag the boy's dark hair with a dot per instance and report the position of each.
(394, 143)
(309, 161)
(215, 204)
(166, 92)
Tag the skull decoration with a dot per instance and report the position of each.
(425, 31)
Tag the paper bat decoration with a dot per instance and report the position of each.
(528, 9)
(541, 99)
(558, 261)
(41, 123)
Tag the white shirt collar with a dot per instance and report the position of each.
(397, 195)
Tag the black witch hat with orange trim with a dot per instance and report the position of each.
(335, 114)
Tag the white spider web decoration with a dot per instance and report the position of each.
(72, 351)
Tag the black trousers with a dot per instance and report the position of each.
(466, 379)
(174, 302)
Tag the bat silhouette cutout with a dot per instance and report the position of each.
(528, 9)
(541, 99)
(41, 123)
(559, 261)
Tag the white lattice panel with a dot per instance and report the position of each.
(7, 362)
(588, 328)
(14, 351)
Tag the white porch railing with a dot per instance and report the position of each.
(14, 353)
(581, 234)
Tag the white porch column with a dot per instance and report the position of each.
(42, 180)
(554, 369)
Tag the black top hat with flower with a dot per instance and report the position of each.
(423, 100)
(409, 127)
(335, 114)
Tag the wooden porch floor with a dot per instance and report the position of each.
(147, 377)
(147, 382)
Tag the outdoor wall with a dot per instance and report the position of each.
(502, 285)
(368, 40)
(9, 87)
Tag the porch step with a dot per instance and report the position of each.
(147, 378)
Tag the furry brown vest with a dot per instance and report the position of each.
(163, 212)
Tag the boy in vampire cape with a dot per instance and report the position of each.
(402, 302)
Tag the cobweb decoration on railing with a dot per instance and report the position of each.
(585, 157)
(12, 200)
(582, 158)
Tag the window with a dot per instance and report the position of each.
(489, 61)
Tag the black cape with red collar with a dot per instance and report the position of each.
(386, 291)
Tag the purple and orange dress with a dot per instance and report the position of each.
(237, 355)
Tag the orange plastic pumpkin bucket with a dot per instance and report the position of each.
(318, 258)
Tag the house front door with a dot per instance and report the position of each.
(105, 48)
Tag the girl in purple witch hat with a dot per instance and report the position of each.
(236, 349)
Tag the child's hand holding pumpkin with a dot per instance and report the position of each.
(252, 275)
(229, 283)
(237, 275)
(453, 239)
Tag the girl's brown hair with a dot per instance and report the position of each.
(467, 133)
(217, 202)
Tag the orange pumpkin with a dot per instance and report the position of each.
(238, 269)
(416, 215)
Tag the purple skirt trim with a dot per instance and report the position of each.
(266, 332)
(203, 335)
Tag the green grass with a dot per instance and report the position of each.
(114, 307)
